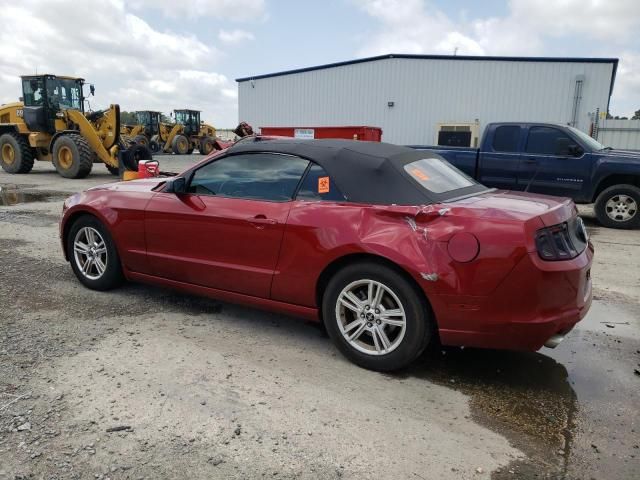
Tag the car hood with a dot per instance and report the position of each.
(626, 155)
(506, 205)
(142, 185)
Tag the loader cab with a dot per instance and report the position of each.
(44, 96)
(190, 119)
(150, 120)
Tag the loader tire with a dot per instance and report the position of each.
(72, 156)
(180, 145)
(141, 140)
(154, 146)
(16, 155)
(207, 145)
(132, 156)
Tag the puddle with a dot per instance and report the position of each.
(15, 195)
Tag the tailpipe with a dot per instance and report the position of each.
(555, 340)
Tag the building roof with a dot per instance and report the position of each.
(613, 61)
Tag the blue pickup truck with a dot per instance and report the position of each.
(555, 160)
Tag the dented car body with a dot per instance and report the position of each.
(271, 224)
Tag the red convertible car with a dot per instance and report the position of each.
(390, 247)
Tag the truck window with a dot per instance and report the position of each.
(544, 140)
(505, 138)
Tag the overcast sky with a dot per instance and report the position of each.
(164, 54)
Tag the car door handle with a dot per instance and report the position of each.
(531, 161)
(259, 221)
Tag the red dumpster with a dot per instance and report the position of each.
(371, 134)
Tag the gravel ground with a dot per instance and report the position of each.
(149, 383)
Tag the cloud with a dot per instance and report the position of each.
(530, 27)
(130, 62)
(239, 10)
(232, 37)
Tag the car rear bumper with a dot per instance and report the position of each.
(537, 303)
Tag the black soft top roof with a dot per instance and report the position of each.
(365, 172)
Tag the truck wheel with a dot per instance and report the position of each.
(617, 207)
(376, 317)
(180, 145)
(72, 156)
(154, 146)
(207, 145)
(16, 155)
(141, 140)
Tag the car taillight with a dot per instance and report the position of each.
(562, 241)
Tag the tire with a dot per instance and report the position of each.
(72, 156)
(180, 145)
(404, 343)
(132, 156)
(16, 156)
(113, 170)
(207, 145)
(618, 207)
(111, 276)
(154, 146)
(141, 140)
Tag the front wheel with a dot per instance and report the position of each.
(376, 317)
(617, 207)
(93, 255)
(180, 145)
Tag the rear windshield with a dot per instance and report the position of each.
(438, 176)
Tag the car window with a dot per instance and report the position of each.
(437, 175)
(317, 185)
(545, 140)
(505, 138)
(263, 176)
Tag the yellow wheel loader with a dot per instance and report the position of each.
(145, 132)
(50, 124)
(187, 134)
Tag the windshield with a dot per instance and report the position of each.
(592, 143)
(64, 94)
(143, 118)
(438, 176)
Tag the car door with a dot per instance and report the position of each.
(551, 163)
(226, 231)
(499, 162)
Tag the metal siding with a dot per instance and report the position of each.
(425, 92)
(624, 134)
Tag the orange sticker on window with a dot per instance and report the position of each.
(419, 174)
(323, 185)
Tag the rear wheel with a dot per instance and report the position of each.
(72, 156)
(207, 145)
(376, 317)
(617, 207)
(180, 145)
(93, 255)
(16, 155)
(154, 146)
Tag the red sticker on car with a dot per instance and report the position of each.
(323, 185)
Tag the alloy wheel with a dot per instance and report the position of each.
(371, 317)
(621, 208)
(90, 253)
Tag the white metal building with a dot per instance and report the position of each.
(414, 97)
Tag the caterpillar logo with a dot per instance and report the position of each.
(19, 113)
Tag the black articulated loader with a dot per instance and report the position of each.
(50, 124)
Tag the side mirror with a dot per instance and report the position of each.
(575, 150)
(92, 89)
(178, 185)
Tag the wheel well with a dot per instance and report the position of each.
(8, 129)
(339, 263)
(616, 180)
(60, 134)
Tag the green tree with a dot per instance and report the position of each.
(636, 115)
